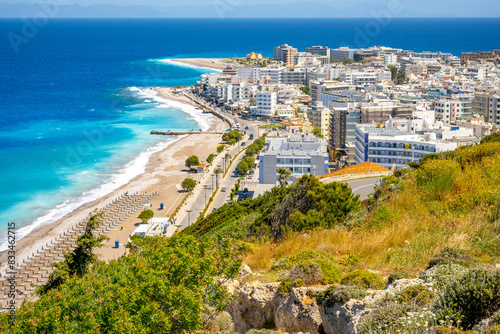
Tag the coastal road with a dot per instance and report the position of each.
(227, 182)
(363, 187)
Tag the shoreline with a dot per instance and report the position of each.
(163, 173)
(212, 64)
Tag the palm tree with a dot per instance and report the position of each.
(283, 175)
(226, 157)
(217, 172)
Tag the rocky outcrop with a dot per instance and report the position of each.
(343, 318)
(299, 312)
(254, 306)
(257, 306)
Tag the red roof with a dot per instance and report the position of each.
(362, 168)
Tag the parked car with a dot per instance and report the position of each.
(251, 136)
(224, 189)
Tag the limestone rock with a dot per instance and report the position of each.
(253, 306)
(299, 312)
(244, 271)
(343, 318)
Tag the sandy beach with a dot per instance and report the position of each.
(213, 63)
(163, 174)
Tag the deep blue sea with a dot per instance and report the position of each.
(75, 104)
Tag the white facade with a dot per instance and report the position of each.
(364, 78)
(265, 104)
(390, 59)
(249, 74)
(395, 145)
(450, 110)
(342, 53)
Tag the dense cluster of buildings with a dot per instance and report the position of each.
(384, 105)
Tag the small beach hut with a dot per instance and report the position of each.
(201, 168)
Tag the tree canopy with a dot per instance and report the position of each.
(232, 136)
(163, 286)
(192, 161)
(188, 184)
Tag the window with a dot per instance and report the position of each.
(297, 170)
(298, 162)
(280, 161)
(289, 161)
(306, 161)
(306, 170)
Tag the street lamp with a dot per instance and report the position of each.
(205, 187)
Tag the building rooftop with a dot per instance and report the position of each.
(362, 168)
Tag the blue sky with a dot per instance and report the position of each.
(410, 8)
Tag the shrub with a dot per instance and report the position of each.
(146, 215)
(398, 275)
(397, 318)
(440, 276)
(451, 255)
(470, 298)
(418, 294)
(331, 274)
(262, 331)
(287, 284)
(364, 279)
(309, 272)
(340, 294)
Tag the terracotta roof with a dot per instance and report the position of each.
(362, 168)
(202, 166)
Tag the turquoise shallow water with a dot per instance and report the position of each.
(75, 104)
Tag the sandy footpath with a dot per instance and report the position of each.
(164, 173)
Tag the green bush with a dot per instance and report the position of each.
(309, 272)
(397, 318)
(451, 255)
(364, 279)
(418, 294)
(287, 284)
(324, 260)
(398, 275)
(470, 298)
(146, 215)
(340, 294)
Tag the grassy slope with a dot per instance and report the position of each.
(452, 201)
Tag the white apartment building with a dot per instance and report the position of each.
(342, 53)
(396, 144)
(319, 116)
(359, 78)
(390, 59)
(449, 110)
(486, 103)
(319, 50)
(265, 104)
(249, 74)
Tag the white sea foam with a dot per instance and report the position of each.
(123, 175)
(130, 170)
(181, 64)
(203, 120)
